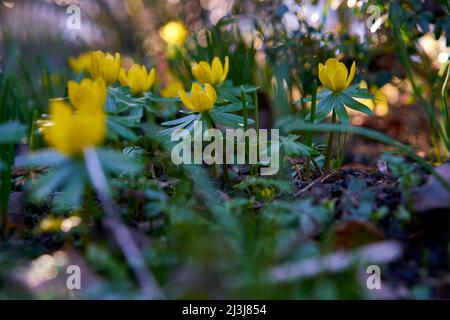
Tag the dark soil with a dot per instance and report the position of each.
(424, 236)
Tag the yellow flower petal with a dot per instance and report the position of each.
(339, 79)
(72, 132)
(171, 90)
(352, 73)
(74, 92)
(363, 84)
(87, 94)
(60, 111)
(226, 68)
(332, 64)
(123, 78)
(334, 75)
(186, 99)
(212, 74)
(150, 79)
(217, 71)
(117, 61)
(110, 74)
(201, 99)
(211, 93)
(204, 73)
(80, 63)
(195, 70)
(196, 87)
(323, 77)
(106, 66)
(138, 79)
(97, 59)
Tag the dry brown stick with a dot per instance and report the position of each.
(319, 179)
(378, 253)
(147, 282)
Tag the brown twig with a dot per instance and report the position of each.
(320, 179)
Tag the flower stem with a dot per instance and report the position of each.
(112, 221)
(309, 134)
(256, 116)
(245, 115)
(224, 168)
(327, 166)
(211, 125)
(215, 171)
(342, 151)
(7, 156)
(437, 132)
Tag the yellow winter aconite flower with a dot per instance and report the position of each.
(334, 75)
(81, 63)
(367, 102)
(378, 104)
(213, 74)
(88, 93)
(106, 66)
(137, 78)
(50, 224)
(173, 33)
(70, 133)
(381, 103)
(172, 89)
(267, 193)
(201, 99)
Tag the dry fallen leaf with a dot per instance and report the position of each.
(433, 195)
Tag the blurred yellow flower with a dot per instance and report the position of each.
(172, 89)
(106, 66)
(88, 93)
(213, 74)
(50, 224)
(267, 193)
(334, 75)
(70, 133)
(381, 103)
(200, 99)
(173, 33)
(137, 78)
(378, 104)
(81, 63)
(367, 102)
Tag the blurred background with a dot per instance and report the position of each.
(277, 44)
(273, 44)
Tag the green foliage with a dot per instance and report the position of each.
(202, 235)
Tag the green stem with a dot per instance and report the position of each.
(86, 214)
(343, 150)
(32, 143)
(7, 157)
(211, 125)
(330, 145)
(444, 107)
(245, 115)
(256, 115)
(309, 134)
(338, 151)
(5, 188)
(376, 136)
(215, 171)
(112, 220)
(436, 130)
(224, 168)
